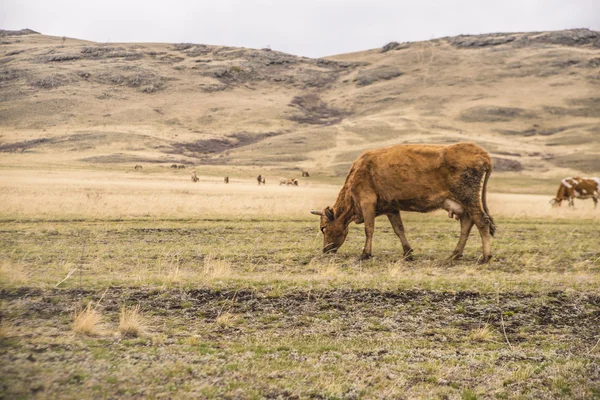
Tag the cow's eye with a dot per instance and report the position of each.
(322, 229)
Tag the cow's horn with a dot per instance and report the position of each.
(316, 212)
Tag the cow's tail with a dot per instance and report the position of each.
(488, 172)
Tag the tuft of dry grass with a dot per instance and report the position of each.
(481, 334)
(87, 321)
(131, 322)
(13, 273)
(215, 268)
(192, 340)
(226, 319)
(7, 330)
(158, 340)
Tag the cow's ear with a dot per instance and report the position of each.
(329, 213)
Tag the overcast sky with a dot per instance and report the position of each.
(303, 27)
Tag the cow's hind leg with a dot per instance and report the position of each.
(482, 221)
(398, 226)
(466, 223)
(595, 198)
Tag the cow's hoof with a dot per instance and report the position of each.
(409, 257)
(364, 256)
(484, 260)
(455, 256)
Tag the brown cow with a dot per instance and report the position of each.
(226, 180)
(577, 188)
(181, 166)
(174, 166)
(305, 174)
(137, 166)
(418, 178)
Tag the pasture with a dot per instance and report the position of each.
(236, 301)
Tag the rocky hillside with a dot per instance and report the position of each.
(532, 99)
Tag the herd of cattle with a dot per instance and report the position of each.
(420, 178)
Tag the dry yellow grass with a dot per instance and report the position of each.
(226, 319)
(13, 273)
(215, 268)
(481, 334)
(7, 329)
(131, 322)
(87, 321)
(119, 195)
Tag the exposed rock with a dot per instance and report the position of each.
(315, 111)
(371, 76)
(495, 114)
(481, 40)
(6, 32)
(506, 164)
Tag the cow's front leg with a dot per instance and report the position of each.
(369, 216)
(398, 226)
(595, 198)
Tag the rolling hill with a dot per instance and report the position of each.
(531, 99)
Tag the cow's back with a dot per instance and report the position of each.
(415, 171)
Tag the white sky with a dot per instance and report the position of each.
(302, 27)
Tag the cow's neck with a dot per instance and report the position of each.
(343, 208)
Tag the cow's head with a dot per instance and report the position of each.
(334, 230)
(556, 202)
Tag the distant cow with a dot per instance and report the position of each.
(288, 181)
(418, 178)
(194, 177)
(260, 179)
(181, 166)
(305, 174)
(174, 166)
(137, 166)
(226, 180)
(577, 188)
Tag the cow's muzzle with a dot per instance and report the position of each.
(330, 249)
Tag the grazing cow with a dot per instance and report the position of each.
(195, 177)
(577, 188)
(137, 166)
(260, 179)
(174, 166)
(305, 174)
(181, 166)
(418, 178)
(226, 180)
(288, 181)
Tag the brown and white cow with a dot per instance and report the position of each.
(288, 181)
(577, 188)
(418, 178)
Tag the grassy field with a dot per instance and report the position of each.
(236, 301)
